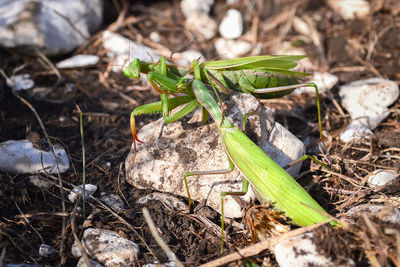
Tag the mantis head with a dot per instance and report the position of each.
(133, 69)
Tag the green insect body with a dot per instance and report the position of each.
(270, 181)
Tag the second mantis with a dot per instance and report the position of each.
(270, 182)
(263, 76)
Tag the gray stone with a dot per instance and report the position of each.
(228, 48)
(386, 213)
(202, 23)
(300, 251)
(231, 27)
(90, 189)
(114, 201)
(109, 248)
(122, 50)
(47, 251)
(50, 26)
(382, 177)
(350, 9)
(78, 61)
(21, 156)
(189, 7)
(20, 82)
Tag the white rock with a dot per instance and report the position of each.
(22, 157)
(47, 251)
(20, 82)
(367, 100)
(93, 263)
(324, 80)
(350, 9)
(155, 37)
(122, 50)
(286, 48)
(228, 48)
(355, 131)
(109, 248)
(169, 201)
(169, 151)
(300, 251)
(231, 27)
(78, 61)
(75, 251)
(39, 182)
(114, 201)
(203, 24)
(157, 264)
(188, 56)
(382, 177)
(48, 25)
(232, 2)
(189, 7)
(386, 213)
(90, 189)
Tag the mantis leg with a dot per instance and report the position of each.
(295, 86)
(305, 157)
(245, 188)
(301, 159)
(242, 192)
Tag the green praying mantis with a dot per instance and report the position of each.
(270, 181)
(263, 76)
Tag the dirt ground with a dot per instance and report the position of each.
(354, 49)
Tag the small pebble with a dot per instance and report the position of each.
(382, 177)
(78, 61)
(355, 131)
(155, 37)
(386, 213)
(90, 189)
(169, 201)
(21, 156)
(228, 48)
(188, 56)
(47, 251)
(350, 9)
(231, 27)
(39, 182)
(114, 201)
(324, 80)
(20, 82)
(203, 24)
(109, 248)
(93, 263)
(367, 102)
(189, 7)
(300, 251)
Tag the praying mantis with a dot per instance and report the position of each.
(270, 181)
(263, 76)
